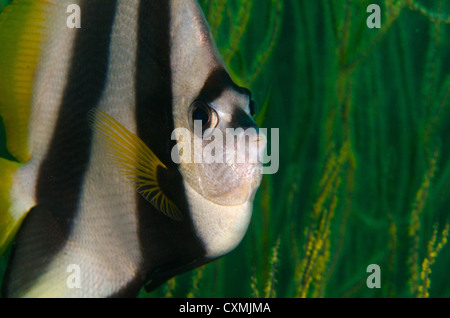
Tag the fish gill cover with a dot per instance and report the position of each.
(364, 121)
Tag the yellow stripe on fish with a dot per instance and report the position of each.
(21, 35)
(8, 223)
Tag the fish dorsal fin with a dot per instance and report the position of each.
(135, 159)
(21, 34)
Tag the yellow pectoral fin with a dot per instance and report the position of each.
(9, 224)
(21, 33)
(136, 160)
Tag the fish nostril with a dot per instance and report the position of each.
(261, 137)
(261, 141)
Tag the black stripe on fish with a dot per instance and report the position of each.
(62, 172)
(240, 119)
(217, 82)
(165, 243)
(131, 289)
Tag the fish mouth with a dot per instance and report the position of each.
(227, 184)
(222, 194)
(232, 175)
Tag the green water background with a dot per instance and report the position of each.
(364, 122)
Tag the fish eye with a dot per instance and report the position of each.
(203, 112)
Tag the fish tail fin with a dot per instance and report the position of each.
(9, 222)
(22, 29)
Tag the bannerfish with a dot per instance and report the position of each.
(94, 201)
